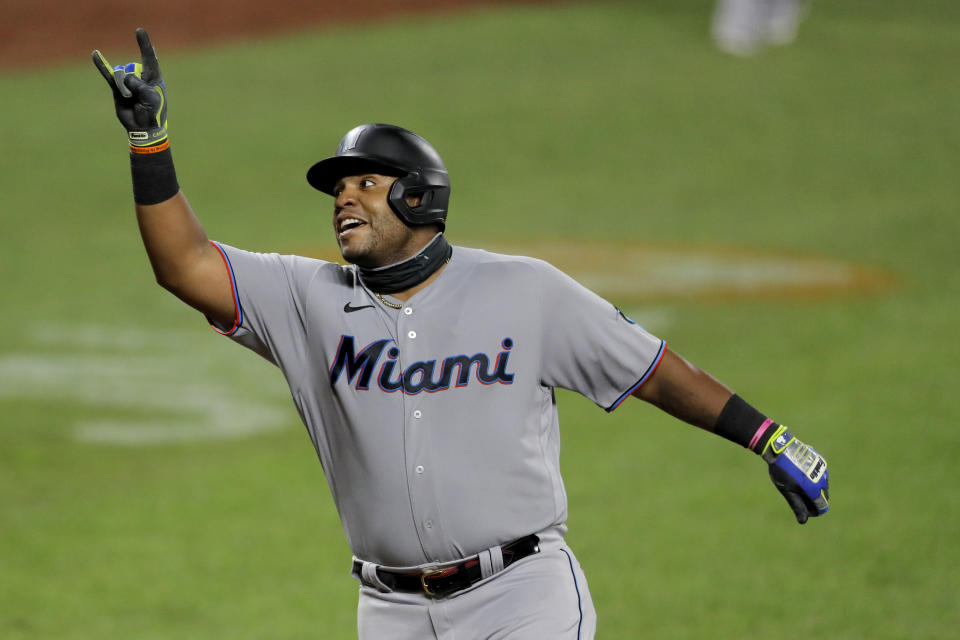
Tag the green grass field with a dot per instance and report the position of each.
(155, 481)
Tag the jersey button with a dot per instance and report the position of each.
(408, 311)
(419, 468)
(417, 413)
(412, 335)
(428, 524)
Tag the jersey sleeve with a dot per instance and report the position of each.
(589, 345)
(268, 291)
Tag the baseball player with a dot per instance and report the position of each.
(425, 376)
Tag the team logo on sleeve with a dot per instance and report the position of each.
(377, 364)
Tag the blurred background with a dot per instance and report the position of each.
(780, 211)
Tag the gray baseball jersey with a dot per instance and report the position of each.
(436, 423)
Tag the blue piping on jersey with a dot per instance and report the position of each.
(646, 375)
(577, 587)
(238, 310)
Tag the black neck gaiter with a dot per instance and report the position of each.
(402, 275)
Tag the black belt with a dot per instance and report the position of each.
(438, 583)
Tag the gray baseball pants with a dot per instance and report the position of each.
(542, 596)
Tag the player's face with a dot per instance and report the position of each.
(368, 231)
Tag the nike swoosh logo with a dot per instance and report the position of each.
(348, 309)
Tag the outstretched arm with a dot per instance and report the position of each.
(685, 392)
(183, 260)
(694, 396)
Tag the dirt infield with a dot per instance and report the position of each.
(36, 33)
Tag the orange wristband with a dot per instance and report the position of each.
(156, 148)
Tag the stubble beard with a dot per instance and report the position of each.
(380, 247)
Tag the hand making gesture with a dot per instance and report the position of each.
(139, 95)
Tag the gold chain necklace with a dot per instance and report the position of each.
(396, 305)
(392, 305)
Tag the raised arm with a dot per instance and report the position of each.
(694, 396)
(183, 259)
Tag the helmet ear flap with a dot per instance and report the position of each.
(397, 200)
(430, 210)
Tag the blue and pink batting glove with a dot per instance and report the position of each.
(799, 473)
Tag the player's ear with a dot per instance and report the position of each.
(413, 200)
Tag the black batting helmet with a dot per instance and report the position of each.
(392, 151)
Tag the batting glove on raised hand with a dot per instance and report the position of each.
(139, 94)
(799, 473)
